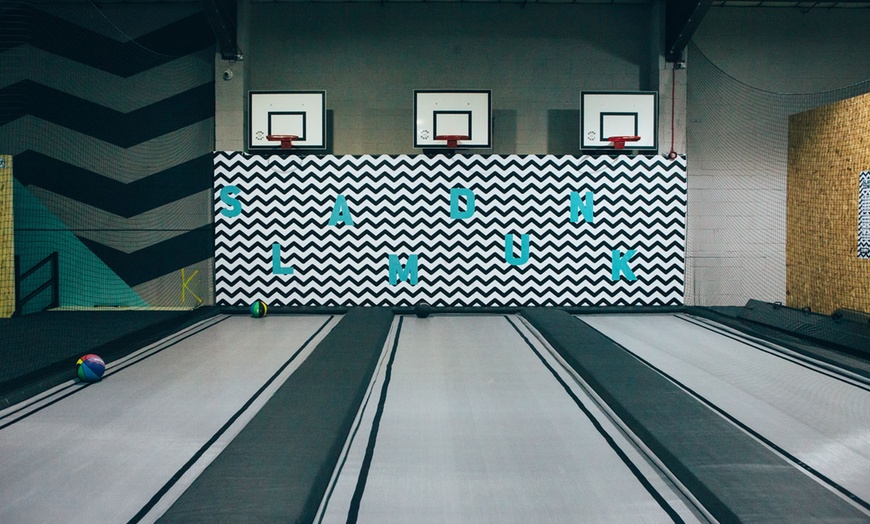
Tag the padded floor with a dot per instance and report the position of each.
(99, 453)
(817, 416)
(462, 418)
(470, 421)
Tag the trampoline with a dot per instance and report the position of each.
(454, 417)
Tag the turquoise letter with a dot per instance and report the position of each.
(340, 212)
(619, 264)
(509, 250)
(579, 205)
(227, 198)
(455, 193)
(397, 272)
(276, 262)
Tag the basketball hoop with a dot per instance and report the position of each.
(286, 140)
(619, 141)
(452, 140)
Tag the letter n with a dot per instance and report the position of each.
(578, 205)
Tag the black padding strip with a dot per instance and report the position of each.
(278, 468)
(735, 477)
(778, 331)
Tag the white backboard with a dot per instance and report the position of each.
(439, 113)
(300, 113)
(608, 114)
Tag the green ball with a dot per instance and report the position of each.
(258, 309)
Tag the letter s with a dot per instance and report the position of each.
(226, 196)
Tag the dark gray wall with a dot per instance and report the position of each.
(370, 57)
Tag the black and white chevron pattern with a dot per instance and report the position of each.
(112, 132)
(864, 216)
(400, 205)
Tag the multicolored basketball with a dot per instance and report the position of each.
(90, 368)
(258, 309)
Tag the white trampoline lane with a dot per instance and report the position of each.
(822, 420)
(100, 454)
(475, 428)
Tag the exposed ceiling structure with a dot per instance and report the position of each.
(682, 17)
(222, 17)
(794, 4)
(842, 4)
(681, 20)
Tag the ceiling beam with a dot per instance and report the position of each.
(221, 15)
(681, 19)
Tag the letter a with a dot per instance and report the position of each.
(340, 212)
(619, 264)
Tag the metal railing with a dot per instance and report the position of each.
(53, 282)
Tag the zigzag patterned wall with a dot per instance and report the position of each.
(864, 216)
(323, 230)
(109, 113)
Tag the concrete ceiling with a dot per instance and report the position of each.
(842, 4)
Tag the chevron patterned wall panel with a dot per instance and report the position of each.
(109, 113)
(455, 231)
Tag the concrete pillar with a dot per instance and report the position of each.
(670, 81)
(672, 107)
(231, 91)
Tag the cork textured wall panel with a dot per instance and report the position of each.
(7, 247)
(828, 157)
